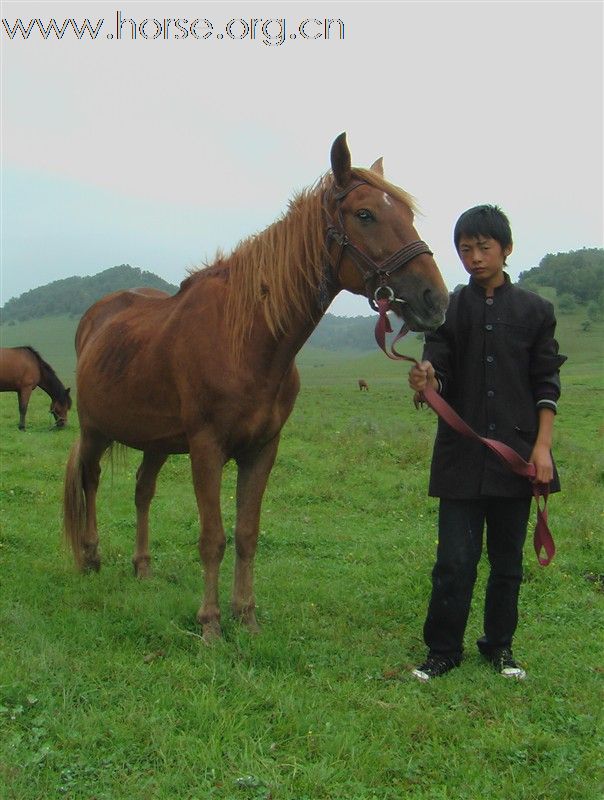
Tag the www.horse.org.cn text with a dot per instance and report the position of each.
(272, 32)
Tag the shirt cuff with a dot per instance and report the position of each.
(548, 404)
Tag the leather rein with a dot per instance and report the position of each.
(542, 539)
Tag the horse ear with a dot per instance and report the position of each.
(340, 161)
(378, 166)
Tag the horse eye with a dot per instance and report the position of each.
(364, 215)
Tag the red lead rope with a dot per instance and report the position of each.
(543, 541)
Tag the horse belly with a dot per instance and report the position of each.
(128, 412)
(125, 390)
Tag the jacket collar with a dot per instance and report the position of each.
(505, 286)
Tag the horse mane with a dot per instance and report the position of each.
(283, 266)
(55, 388)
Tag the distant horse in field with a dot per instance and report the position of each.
(363, 386)
(210, 371)
(21, 370)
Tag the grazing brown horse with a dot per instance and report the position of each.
(210, 371)
(363, 385)
(21, 370)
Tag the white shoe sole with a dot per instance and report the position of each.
(514, 672)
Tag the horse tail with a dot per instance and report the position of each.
(74, 503)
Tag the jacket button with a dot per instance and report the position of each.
(490, 359)
(488, 327)
(492, 426)
(490, 393)
(489, 301)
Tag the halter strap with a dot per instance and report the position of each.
(368, 268)
(340, 193)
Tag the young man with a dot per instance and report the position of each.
(495, 360)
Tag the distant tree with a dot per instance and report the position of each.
(595, 310)
(579, 273)
(531, 285)
(566, 303)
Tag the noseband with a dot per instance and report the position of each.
(58, 418)
(370, 269)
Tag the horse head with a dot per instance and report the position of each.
(59, 408)
(374, 246)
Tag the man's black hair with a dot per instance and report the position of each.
(483, 221)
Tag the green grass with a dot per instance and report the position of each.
(107, 692)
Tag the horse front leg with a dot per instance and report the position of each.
(253, 473)
(23, 394)
(146, 480)
(207, 463)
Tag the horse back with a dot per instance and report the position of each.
(106, 309)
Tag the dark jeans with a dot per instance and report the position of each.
(460, 531)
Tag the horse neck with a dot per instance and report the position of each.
(281, 270)
(304, 324)
(49, 382)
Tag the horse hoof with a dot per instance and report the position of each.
(21, 427)
(252, 624)
(91, 560)
(142, 567)
(211, 632)
(247, 617)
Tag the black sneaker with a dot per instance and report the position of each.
(503, 661)
(435, 666)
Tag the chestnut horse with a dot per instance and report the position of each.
(21, 370)
(210, 371)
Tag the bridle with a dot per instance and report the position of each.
(60, 421)
(370, 270)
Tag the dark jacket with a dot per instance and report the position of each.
(497, 360)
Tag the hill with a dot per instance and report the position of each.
(344, 333)
(577, 277)
(74, 295)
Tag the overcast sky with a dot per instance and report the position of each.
(157, 151)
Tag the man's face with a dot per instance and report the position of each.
(483, 258)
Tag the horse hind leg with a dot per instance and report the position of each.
(81, 484)
(253, 474)
(146, 479)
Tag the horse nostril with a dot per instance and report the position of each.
(430, 304)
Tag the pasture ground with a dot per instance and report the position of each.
(107, 692)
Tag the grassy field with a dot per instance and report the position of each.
(107, 692)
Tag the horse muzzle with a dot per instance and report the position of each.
(423, 313)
